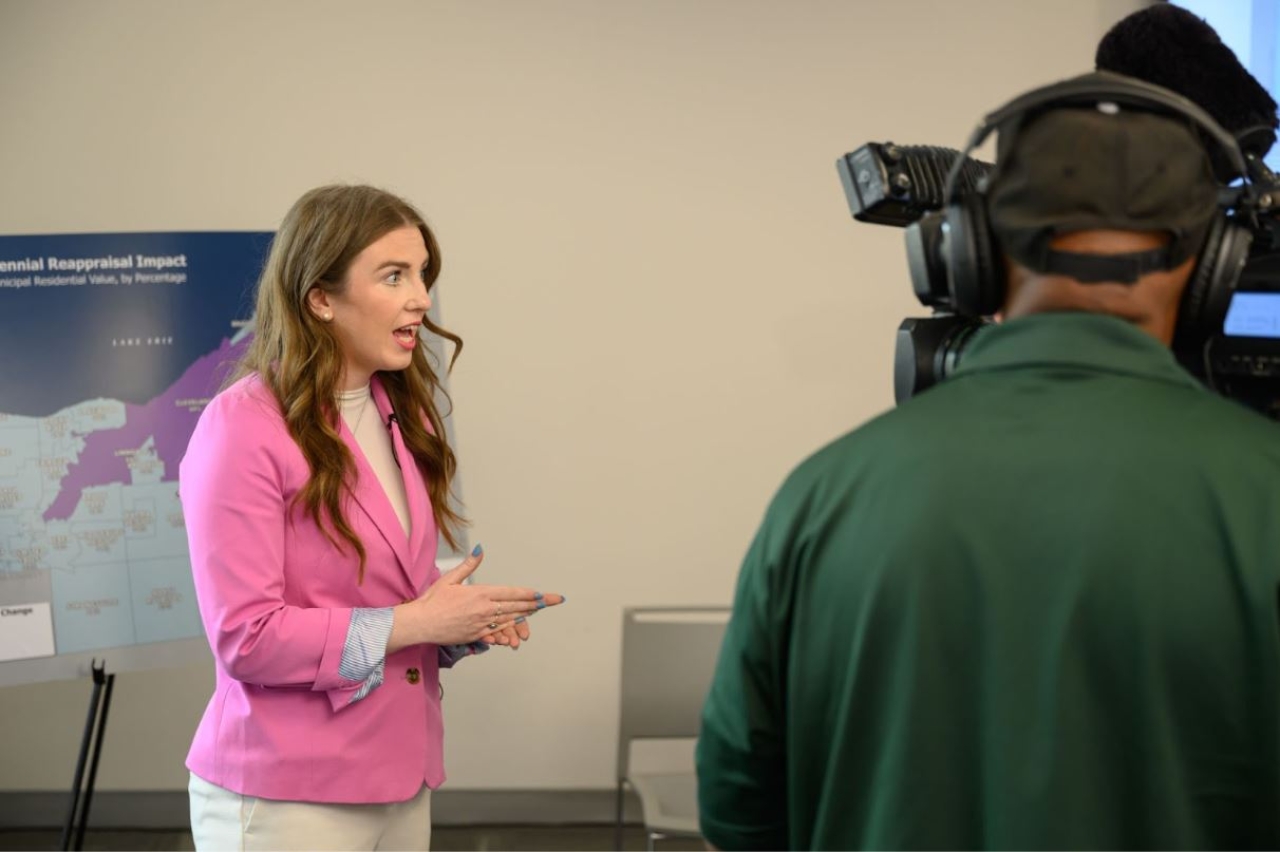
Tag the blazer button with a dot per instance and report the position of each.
(413, 676)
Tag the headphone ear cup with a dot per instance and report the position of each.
(975, 276)
(1204, 304)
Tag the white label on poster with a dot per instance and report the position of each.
(26, 630)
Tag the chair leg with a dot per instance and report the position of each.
(652, 839)
(617, 825)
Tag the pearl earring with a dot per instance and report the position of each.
(328, 317)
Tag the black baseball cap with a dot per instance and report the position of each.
(1101, 167)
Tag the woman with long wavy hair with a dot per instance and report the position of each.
(315, 488)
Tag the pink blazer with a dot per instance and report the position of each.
(276, 598)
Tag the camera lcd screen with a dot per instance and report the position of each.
(1253, 315)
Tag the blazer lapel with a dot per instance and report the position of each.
(368, 493)
(416, 490)
(421, 519)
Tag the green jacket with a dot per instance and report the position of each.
(1034, 607)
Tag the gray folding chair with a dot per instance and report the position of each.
(668, 658)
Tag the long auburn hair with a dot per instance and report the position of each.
(300, 360)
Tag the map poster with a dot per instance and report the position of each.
(110, 346)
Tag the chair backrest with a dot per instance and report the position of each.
(668, 658)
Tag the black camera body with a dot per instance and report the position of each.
(1234, 348)
(904, 186)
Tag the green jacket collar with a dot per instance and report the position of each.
(1072, 339)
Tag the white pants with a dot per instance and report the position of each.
(221, 819)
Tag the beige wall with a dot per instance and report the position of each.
(665, 302)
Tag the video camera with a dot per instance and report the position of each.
(906, 186)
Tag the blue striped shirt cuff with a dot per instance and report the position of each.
(364, 654)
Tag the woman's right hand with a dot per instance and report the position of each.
(452, 612)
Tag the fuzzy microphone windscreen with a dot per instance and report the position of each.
(1174, 48)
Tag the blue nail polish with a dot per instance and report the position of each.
(477, 550)
(520, 620)
(563, 599)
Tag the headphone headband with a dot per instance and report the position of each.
(1091, 89)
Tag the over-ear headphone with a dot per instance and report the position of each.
(975, 273)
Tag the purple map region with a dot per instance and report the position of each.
(168, 418)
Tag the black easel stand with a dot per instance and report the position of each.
(95, 727)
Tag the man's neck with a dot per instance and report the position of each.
(1044, 294)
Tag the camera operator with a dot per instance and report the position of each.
(1036, 605)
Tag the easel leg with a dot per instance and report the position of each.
(95, 727)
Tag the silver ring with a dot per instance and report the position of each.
(493, 625)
